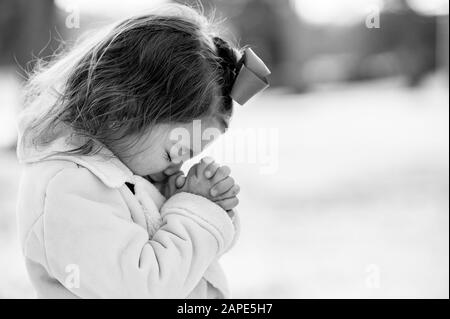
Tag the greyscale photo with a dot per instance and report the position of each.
(224, 149)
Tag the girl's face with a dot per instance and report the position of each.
(163, 150)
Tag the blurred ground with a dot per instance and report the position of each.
(362, 190)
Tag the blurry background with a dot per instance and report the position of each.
(359, 205)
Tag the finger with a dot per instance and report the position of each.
(173, 179)
(180, 180)
(222, 187)
(232, 192)
(211, 170)
(229, 203)
(231, 213)
(205, 162)
(222, 173)
(171, 183)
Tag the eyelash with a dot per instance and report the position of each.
(168, 158)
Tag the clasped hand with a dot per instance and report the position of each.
(207, 179)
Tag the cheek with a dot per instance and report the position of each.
(147, 163)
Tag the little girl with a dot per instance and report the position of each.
(104, 210)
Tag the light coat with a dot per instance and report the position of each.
(86, 235)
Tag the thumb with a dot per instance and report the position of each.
(180, 180)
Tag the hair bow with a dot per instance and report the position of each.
(252, 78)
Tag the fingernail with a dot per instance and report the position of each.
(208, 174)
(213, 192)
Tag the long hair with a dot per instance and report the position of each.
(169, 66)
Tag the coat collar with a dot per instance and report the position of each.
(104, 164)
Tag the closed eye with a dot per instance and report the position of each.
(182, 154)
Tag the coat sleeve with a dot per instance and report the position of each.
(95, 250)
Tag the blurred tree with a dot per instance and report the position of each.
(27, 30)
(410, 39)
(270, 27)
(443, 43)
